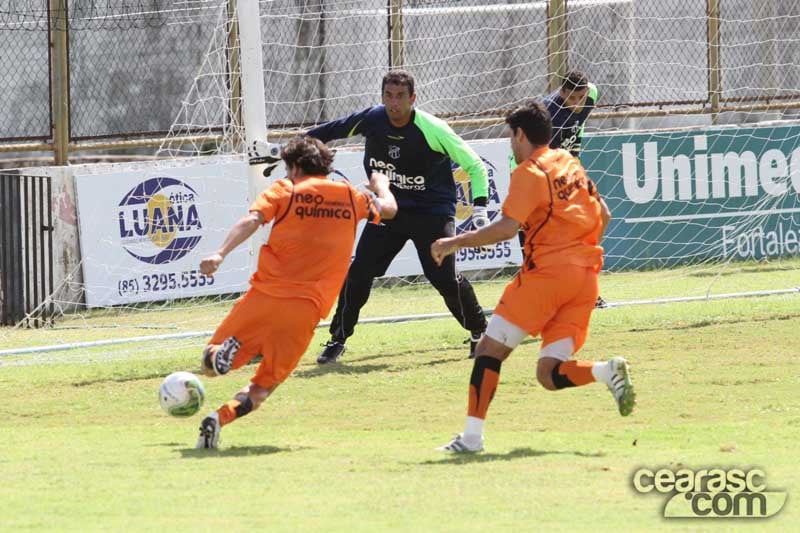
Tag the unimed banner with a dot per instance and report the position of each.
(689, 196)
(144, 232)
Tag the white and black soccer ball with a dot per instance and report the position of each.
(181, 394)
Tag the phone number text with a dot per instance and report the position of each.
(499, 250)
(163, 281)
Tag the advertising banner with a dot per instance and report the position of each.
(676, 198)
(684, 197)
(143, 232)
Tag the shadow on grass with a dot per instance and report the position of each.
(354, 366)
(345, 368)
(412, 351)
(145, 377)
(338, 368)
(717, 322)
(436, 362)
(235, 451)
(742, 270)
(516, 453)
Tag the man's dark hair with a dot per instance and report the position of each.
(309, 154)
(534, 119)
(398, 77)
(575, 80)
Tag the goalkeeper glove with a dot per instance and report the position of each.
(263, 152)
(480, 217)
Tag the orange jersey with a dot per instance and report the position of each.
(559, 210)
(311, 242)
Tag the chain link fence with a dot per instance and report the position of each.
(322, 59)
(760, 55)
(25, 93)
(131, 63)
(476, 58)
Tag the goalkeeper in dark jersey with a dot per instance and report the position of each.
(415, 150)
(569, 107)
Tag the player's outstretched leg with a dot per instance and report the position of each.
(556, 371)
(483, 382)
(245, 402)
(455, 289)
(482, 387)
(459, 445)
(618, 380)
(209, 432)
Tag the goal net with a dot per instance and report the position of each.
(693, 141)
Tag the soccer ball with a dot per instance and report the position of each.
(181, 394)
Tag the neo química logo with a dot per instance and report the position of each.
(158, 220)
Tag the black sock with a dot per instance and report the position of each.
(560, 380)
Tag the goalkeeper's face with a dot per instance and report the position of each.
(574, 99)
(399, 103)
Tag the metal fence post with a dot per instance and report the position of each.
(556, 42)
(714, 77)
(234, 76)
(396, 33)
(59, 80)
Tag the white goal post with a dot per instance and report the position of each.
(254, 113)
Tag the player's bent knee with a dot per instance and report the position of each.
(504, 333)
(544, 372)
(492, 348)
(445, 286)
(562, 349)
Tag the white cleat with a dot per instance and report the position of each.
(459, 445)
(209, 432)
(620, 385)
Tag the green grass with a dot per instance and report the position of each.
(412, 299)
(350, 447)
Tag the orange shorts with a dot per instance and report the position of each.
(556, 302)
(280, 329)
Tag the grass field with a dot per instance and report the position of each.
(350, 447)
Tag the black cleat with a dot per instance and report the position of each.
(332, 352)
(209, 432)
(600, 303)
(223, 358)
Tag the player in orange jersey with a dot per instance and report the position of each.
(554, 293)
(300, 271)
